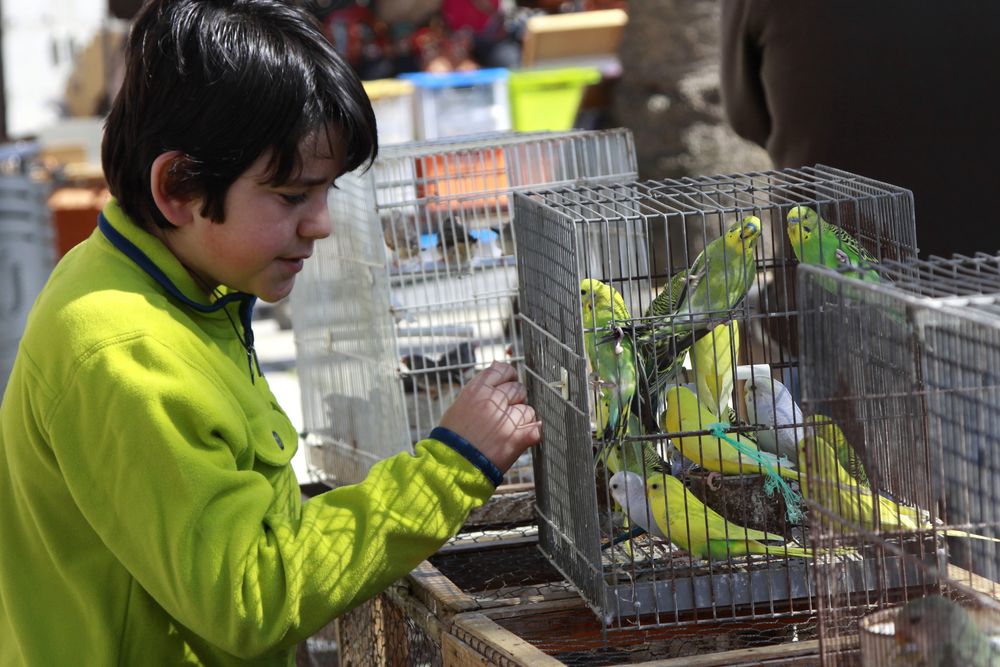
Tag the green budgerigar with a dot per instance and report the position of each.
(610, 352)
(934, 631)
(816, 241)
(722, 274)
(716, 282)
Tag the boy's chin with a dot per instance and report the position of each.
(276, 293)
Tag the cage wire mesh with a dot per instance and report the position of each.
(736, 313)
(416, 289)
(519, 588)
(903, 371)
(382, 633)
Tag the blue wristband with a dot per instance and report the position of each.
(465, 448)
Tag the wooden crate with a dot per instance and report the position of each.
(428, 618)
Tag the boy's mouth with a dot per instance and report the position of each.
(294, 263)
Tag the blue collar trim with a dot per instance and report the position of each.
(245, 300)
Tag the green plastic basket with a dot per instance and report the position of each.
(548, 99)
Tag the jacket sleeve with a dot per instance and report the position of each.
(742, 88)
(149, 443)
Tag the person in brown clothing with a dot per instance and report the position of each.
(902, 91)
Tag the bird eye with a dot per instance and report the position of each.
(654, 486)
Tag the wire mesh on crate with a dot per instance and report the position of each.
(517, 587)
(658, 407)
(417, 288)
(902, 370)
(381, 632)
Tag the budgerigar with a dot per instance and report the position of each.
(827, 429)
(686, 413)
(669, 298)
(637, 456)
(816, 241)
(700, 530)
(629, 491)
(722, 453)
(714, 358)
(934, 631)
(829, 484)
(716, 282)
(719, 278)
(611, 355)
(770, 403)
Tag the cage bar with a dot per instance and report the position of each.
(908, 368)
(637, 237)
(416, 289)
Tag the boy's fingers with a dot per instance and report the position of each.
(521, 415)
(514, 392)
(496, 374)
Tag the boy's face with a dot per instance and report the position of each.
(268, 231)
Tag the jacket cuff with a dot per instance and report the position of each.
(466, 449)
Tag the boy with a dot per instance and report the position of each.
(150, 514)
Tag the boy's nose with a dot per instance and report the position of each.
(317, 224)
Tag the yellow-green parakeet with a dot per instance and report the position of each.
(828, 484)
(816, 241)
(715, 283)
(611, 355)
(721, 275)
(714, 358)
(698, 529)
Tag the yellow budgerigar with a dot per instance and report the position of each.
(830, 485)
(714, 358)
(701, 531)
(685, 413)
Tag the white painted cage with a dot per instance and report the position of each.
(416, 289)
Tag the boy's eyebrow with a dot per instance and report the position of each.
(311, 181)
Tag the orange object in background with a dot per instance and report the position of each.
(74, 214)
(456, 176)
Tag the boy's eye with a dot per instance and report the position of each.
(294, 198)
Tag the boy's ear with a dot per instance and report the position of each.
(175, 202)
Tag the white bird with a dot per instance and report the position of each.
(770, 403)
(629, 490)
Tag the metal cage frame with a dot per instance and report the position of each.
(379, 296)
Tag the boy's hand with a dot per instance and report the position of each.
(491, 414)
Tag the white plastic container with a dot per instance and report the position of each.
(457, 103)
(392, 100)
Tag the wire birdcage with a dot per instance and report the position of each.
(416, 289)
(588, 512)
(27, 249)
(904, 370)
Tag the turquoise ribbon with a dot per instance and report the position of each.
(774, 480)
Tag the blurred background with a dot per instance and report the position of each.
(433, 68)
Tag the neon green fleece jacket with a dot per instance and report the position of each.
(148, 511)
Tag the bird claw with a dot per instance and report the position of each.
(713, 481)
(619, 334)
